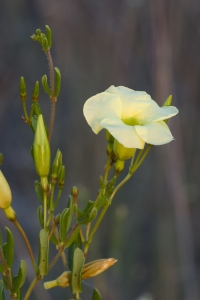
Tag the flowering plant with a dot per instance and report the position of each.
(133, 123)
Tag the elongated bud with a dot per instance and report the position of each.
(5, 192)
(48, 35)
(119, 166)
(90, 269)
(168, 101)
(22, 89)
(45, 85)
(57, 81)
(41, 152)
(109, 137)
(6, 198)
(121, 152)
(61, 177)
(57, 164)
(36, 92)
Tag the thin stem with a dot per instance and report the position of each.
(63, 247)
(58, 198)
(53, 230)
(27, 243)
(31, 287)
(25, 112)
(45, 208)
(7, 273)
(52, 87)
(136, 166)
(107, 169)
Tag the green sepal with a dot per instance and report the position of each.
(48, 35)
(54, 240)
(46, 85)
(73, 236)
(22, 89)
(9, 248)
(38, 32)
(1, 268)
(96, 295)
(40, 215)
(76, 278)
(43, 253)
(64, 224)
(36, 92)
(91, 215)
(19, 279)
(76, 244)
(57, 81)
(2, 296)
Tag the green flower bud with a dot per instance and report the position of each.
(61, 177)
(74, 191)
(6, 198)
(22, 89)
(57, 164)
(168, 101)
(119, 166)
(109, 137)
(122, 152)
(36, 92)
(109, 149)
(41, 152)
(5, 192)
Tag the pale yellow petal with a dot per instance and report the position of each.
(155, 133)
(124, 134)
(101, 106)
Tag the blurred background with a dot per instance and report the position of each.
(153, 226)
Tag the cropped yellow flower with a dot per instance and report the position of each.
(131, 117)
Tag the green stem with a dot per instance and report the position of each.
(7, 273)
(52, 87)
(63, 247)
(31, 287)
(58, 198)
(45, 208)
(27, 243)
(25, 112)
(138, 164)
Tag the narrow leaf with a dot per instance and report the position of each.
(76, 280)
(96, 295)
(10, 248)
(43, 253)
(2, 296)
(19, 279)
(63, 224)
(76, 244)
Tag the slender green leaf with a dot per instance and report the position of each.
(19, 279)
(76, 279)
(96, 295)
(2, 296)
(73, 236)
(40, 216)
(76, 244)
(1, 268)
(10, 248)
(43, 253)
(63, 224)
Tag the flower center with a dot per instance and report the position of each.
(131, 121)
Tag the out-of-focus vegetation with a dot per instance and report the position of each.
(154, 223)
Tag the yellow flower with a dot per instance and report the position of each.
(6, 198)
(131, 117)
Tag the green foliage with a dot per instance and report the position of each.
(19, 279)
(43, 253)
(96, 295)
(76, 279)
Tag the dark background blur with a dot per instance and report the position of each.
(153, 226)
